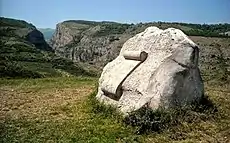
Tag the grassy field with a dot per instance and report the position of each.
(59, 110)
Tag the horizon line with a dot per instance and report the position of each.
(114, 21)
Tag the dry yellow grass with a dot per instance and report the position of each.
(36, 102)
(53, 110)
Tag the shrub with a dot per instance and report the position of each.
(11, 69)
(68, 66)
(147, 120)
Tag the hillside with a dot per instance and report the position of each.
(97, 43)
(25, 53)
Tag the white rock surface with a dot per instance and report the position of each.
(112, 86)
(168, 77)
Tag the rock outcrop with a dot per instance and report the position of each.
(168, 77)
(95, 43)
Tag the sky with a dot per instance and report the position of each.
(47, 13)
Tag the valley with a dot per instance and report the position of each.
(47, 82)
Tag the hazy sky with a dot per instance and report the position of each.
(47, 13)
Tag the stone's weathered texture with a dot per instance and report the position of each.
(168, 77)
(117, 74)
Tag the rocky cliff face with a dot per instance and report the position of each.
(98, 43)
(62, 36)
(92, 42)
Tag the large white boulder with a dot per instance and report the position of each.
(156, 68)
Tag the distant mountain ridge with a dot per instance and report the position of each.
(47, 32)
